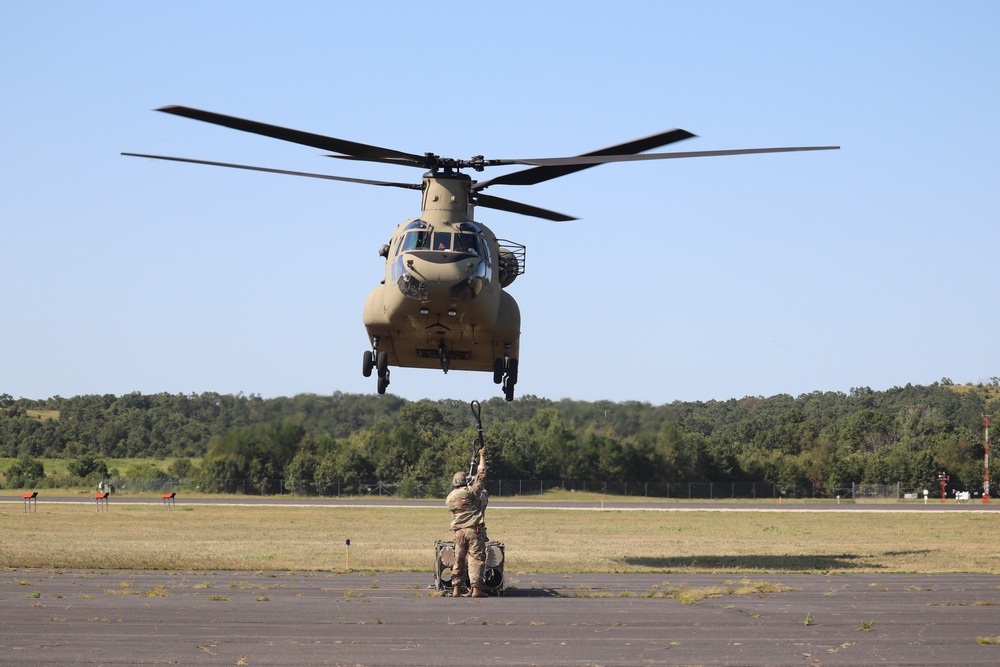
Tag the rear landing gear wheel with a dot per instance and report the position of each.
(509, 376)
(382, 368)
(512, 371)
(498, 369)
(367, 364)
(508, 390)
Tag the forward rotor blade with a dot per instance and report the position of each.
(590, 161)
(550, 170)
(352, 148)
(501, 204)
(409, 186)
(387, 160)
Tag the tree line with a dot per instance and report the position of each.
(315, 443)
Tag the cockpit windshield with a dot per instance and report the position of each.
(418, 236)
(467, 243)
(442, 241)
(417, 241)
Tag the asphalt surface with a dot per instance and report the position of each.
(116, 617)
(109, 617)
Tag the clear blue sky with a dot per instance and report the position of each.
(702, 279)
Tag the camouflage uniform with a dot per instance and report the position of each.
(465, 504)
(484, 500)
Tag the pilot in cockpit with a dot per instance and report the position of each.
(465, 243)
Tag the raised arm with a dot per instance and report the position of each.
(481, 470)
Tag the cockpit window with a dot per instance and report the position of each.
(417, 241)
(467, 243)
(418, 236)
(442, 241)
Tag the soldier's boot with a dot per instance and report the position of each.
(456, 591)
(477, 592)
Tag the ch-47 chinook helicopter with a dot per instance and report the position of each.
(442, 303)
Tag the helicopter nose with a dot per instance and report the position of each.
(444, 269)
(450, 275)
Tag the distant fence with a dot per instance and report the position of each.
(529, 487)
(496, 488)
(678, 490)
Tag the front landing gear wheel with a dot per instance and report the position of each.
(377, 361)
(498, 370)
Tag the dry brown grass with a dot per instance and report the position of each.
(537, 540)
(990, 392)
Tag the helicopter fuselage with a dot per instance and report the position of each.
(441, 303)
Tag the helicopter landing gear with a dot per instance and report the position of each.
(510, 380)
(373, 359)
(505, 373)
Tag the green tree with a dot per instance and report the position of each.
(553, 440)
(223, 473)
(341, 468)
(25, 472)
(88, 468)
(253, 459)
(145, 470)
(867, 431)
(410, 487)
(300, 474)
(181, 468)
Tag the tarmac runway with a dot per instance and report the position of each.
(115, 617)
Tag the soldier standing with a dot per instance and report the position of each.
(465, 502)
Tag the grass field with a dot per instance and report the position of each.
(54, 466)
(389, 539)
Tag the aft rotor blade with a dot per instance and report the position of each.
(591, 161)
(501, 204)
(353, 148)
(549, 170)
(365, 181)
